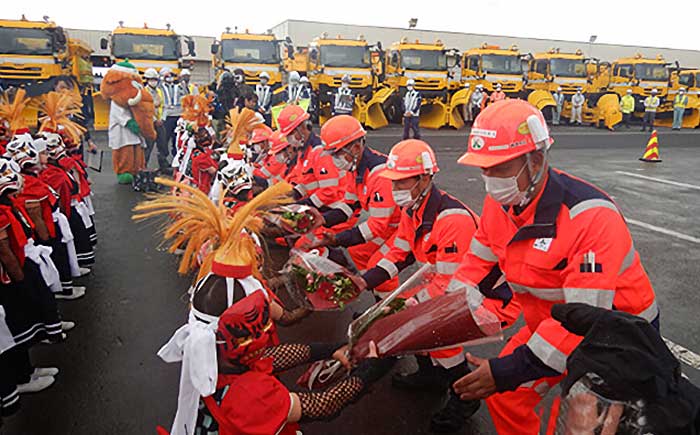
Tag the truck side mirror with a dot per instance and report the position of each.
(190, 47)
(214, 49)
(104, 43)
(313, 55)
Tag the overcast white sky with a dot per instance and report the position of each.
(614, 21)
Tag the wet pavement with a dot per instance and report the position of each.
(112, 382)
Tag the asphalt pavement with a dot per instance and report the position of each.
(112, 382)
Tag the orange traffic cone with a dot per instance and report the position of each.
(651, 153)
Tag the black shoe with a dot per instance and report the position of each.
(428, 377)
(453, 416)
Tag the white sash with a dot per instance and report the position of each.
(68, 239)
(82, 211)
(41, 255)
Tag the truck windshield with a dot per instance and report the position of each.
(651, 71)
(568, 67)
(686, 80)
(424, 60)
(249, 51)
(145, 47)
(345, 56)
(501, 64)
(15, 40)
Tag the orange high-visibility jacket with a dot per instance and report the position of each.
(438, 232)
(372, 194)
(571, 244)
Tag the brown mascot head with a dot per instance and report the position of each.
(122, 84)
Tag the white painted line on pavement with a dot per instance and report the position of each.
(662, 230)
(659, 180)
(683, 355)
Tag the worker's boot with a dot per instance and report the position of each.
(455, 412)
(427, 377)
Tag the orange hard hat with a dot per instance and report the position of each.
(340, 131)
(410, 158)
(260, 134)
(278, 142)
(505, 130)
(290, 118)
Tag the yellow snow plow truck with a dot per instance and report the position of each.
(35, 55)
(570, 71)
(427, 65)
(253, 53)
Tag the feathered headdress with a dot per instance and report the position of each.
(196, 108)
(57, 108)
(11, 111)
(241, 124)
(198, 220)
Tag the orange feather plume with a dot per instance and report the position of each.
(11, 111)
(58, 107)
(241, 124)
(196, 108)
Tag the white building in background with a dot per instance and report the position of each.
(302, 32)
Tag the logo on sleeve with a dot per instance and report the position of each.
(542, 244)
(378, 197)
(323, 171)
(589, 265)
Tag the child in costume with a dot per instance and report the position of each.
(68, 189)
(41, 202)
(29, 312)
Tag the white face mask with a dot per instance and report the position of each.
(403, 198)
(294, 142)
(410, 88)
(505, 190)
(342, 163)
(169, 79)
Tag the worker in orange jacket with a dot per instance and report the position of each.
(557, 239)
(274, 163)
(344, 139)
(295, 125)
(435, 228)
(497, 94)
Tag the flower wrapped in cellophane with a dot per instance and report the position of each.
(402, 326)
(295, 219)
(318, 283)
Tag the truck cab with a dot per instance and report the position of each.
(641, 75)
(147, 47)
(253, 53)
(553, 69)
(32, 53)
(330, 59)
(491, 64)
(426, 63)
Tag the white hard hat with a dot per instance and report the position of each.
(480, 86)
(264, 75)
(629, 91)
(345, 79)
(467, 85)
(579, 89)
(151, 73)
(293, 76)
(498, 86)
(304, 79)
(410, 82)
(681, 90)
(654, 91)
(185, 72)
(559, 89)
(165, 70)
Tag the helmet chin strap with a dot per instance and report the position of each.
(421, 196)
(534, 180)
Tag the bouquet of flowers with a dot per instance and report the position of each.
(318, 283)
(401, 326)
(295, 218)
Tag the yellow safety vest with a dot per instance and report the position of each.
(680, 102)
(651, 104)
(627, 104)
